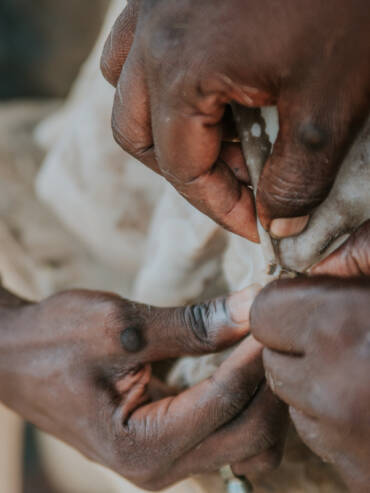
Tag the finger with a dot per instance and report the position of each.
(281, 314)
(131, 120)
(289, 378)
(183, 421)
(260, 428)
(152, 334)
(315, 134)
(352, 259)
(157, 390)
(309, 429)
(231, 154)
(261, 464)
(302, 316)
(188, 146)
(346, 208)
(118, 44)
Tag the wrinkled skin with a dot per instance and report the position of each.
(185, 61)
(317, 356)
(78, 365)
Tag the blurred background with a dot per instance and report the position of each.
(43, 43)
(42, 46)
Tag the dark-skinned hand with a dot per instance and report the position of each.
(317, 356)
(78, 365)
(177, 64)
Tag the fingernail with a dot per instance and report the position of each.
(283, 227)
(240, 303)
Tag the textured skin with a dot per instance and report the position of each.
(78, 365)
(317, 357)
(310, 58)
(345, 209)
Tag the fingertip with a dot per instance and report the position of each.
(285, 227)
(240, 303)
(241, 220)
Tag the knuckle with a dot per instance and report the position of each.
(271, 459)
(124, 318)
(295, 182)
(151, 477)
(131, 146)
(293, 196)
(197, 320)
(113, 307)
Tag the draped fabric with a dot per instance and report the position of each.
(102, 220)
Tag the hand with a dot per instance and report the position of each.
(78, 365)
(184, 62)
(317, 357)
(352, 259)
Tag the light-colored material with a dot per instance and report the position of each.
(233, 483)
(120, 227)
(11, 449)
(104, 196)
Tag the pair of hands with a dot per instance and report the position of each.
(79, 365)
(178, 64)
(182, 67)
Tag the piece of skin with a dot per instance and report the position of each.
(185, 60)
(317, 357)
(78, 365)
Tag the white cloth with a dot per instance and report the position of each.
(132, 233)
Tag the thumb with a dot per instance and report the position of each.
(317, 125)
(351, 259)
(192, 330)
(118, 44)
